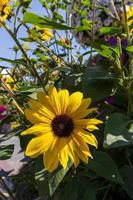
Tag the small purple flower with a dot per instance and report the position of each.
(124, 43)
(112, 41)
(109, 100)
(125, 58)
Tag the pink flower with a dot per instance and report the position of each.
(3, 112)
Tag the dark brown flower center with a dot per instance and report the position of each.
(62, 125)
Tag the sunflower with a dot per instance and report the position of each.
(65, 42)
(2, 4)
(47, 35)
(60, 127)
(10, 82)
(5, 10)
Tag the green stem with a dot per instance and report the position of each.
(12, 95)
(114, 8)
(129, 83)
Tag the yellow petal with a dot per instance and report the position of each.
(87, 123)
(64, 100)
(92, 127)
(81, 144)
(80, 154)
(50, 158)
(81, 123)
(37, 129)
(64, 156)
(35, 117)
(39, 145)
(39, 108)
(88, 138)
(50, 163)
(74, 102)
(45, 101)
(83, 113)
(54, 99)
(95, 121)
(71, 152)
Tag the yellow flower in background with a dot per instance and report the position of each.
(10, 83)
(65, 42)
(5, 10)
(47, 35)
(26, 46)
(14, 125)
(60, 128)
(129, 17)
(2, 4)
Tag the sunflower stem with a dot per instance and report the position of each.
(12, 95)
(130, 81)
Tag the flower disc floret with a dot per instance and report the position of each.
(62, 126)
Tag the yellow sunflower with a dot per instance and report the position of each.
(10, 82)
(5, 10)
(3, 3)
(60, 127)
(65, 42)
(47, 35)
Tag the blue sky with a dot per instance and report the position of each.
(6, 43)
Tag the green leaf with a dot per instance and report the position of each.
(84, 13)
(127, 173)
(75, 187)
(100, 73)
(129, 48)
(41, 177)
(6, 152)
(86, 22)
(82, 28)
(57, 177)
(110, 30)
(98, 82)
(44, 22)
(105, 167)
(47, 183)
(117, 131)
(90, 192)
